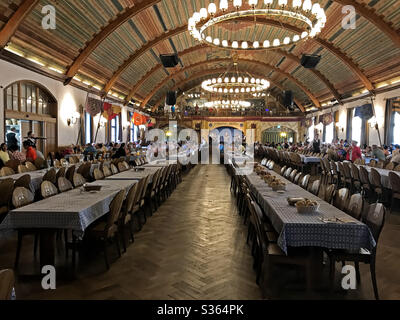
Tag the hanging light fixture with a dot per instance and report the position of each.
(311, 16)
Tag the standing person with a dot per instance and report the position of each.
(12, 138)
(31, 154)
(31, 139)
(316, 144)
(378, 153)
(4, 156)
(354, 152)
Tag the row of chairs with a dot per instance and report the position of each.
(373, 215)
(388, 165)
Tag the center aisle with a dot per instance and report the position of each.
(194, 247)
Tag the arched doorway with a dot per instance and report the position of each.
(278, 134)
(28, 106)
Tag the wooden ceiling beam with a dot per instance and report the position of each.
(371, 15)
(15, 21)
(107, 30)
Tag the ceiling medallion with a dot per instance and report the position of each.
(312, 16)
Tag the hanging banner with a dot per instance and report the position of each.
(327, 119)
(93, 106)
(137, 119)
(364, 112)
(308, 122)
(110, 111)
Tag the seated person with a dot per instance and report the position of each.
(378, 153)
(4, 156)
(16, 154)
(31, 154)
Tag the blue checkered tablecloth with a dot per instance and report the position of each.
(308, 230)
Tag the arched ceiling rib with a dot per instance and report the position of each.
(351, 64)
(16, 19)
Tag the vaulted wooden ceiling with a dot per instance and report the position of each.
(115, 44)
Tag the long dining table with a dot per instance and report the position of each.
(134, 174)
(328, 228)
(74, 210)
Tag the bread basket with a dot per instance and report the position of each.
(88, 188)
(307, 210)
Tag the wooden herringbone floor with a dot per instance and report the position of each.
(194, 247)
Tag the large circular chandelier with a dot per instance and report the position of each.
(304, 13)
(227, 104)
(241, 84)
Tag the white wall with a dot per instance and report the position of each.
(69, 98)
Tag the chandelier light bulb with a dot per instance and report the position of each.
(307, 5)
(247, 90)
(225, 43)
(268, 2)
(246, 80)
(226, 80)
(196, 17)
(230, 90)
(237, 3)
(282, 3)
(276, 43)
(296, 38)
(296, 4)
(304, 34)
(266, 44)
(209, 39)
(212, 9)
(253, 3)
(242, 90)
(315, 8)
(245, 45)
(216, 42)
(235, 44)
(214, 81)
(203, 13)
(237, 90)
(286, 40)
(240, 79)
(223, 5)
(219, 80)
(220, 90)
(233, 80)
(225, 90)
(256, 44)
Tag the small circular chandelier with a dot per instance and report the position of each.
(235, 85)
(227, 104)
(305, 13)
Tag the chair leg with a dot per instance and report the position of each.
(105, 255)
(131, 230)
(19, 245)
(122, 229)
(373, 277)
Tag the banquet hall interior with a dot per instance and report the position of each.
(199, 149)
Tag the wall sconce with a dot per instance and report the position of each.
(126, 126)
(73, 119)
(340, 126)
(102, 122)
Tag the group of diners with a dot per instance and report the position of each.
(279, 235)
(74, 203)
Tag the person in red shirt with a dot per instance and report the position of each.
(354, 152)
(31, 154)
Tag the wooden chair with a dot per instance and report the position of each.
(365, 183)
(292, 175)
(355, 173)
(7, 283)
(70, 173)
(321, 191)
(269, 254)
(40, 163)
(64, 184)
(22, 197)
(106, 171)
(78, 180)
(341, 199)
(30, 166)
(283, 170)
(330, 193)
(24, 181)
(13, 164)
(305, 181)
(335, 173)
(376, 183)
(51, 176)
(114, 169)
(315, 186)
(287, 173)
(297, 178)
(394, 179)
(375, 221)
(6, 171)
(6, 191)
(355, 206)
(348, 179)
(106, 231)
(122, 167)
(48, 189)
(98, 175)
(126, 218)
(60, 173)
(23, 169)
